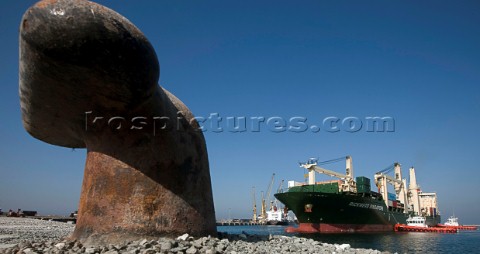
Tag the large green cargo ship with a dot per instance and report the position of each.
(349, 205)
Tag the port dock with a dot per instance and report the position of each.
(65, 219)
(239, 223)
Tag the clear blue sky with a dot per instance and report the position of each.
(418, 62)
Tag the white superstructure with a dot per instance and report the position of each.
(417, 221)
(452, 221)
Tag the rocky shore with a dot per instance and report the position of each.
(21, 235)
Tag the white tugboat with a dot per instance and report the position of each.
(452, 221)
(417, 221)
(418, 224)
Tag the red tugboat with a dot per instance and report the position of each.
(452, 222)
(417, 224)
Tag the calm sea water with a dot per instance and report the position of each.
(462, 242)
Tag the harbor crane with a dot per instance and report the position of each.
(279, 189)
(399, 184)
(263, 212)
(254, 218)
(312, 165)
(266, 199)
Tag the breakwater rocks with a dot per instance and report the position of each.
(17, 230)
(35, 236)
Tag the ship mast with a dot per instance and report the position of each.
(413, 191)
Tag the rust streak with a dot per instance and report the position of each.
(45, 3)
(25, 24)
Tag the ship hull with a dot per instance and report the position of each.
(339, 228)
(277, 222)
(343, 213)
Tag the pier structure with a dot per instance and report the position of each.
(239, 223)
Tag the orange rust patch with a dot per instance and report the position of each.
(25, 24)
(45, 3)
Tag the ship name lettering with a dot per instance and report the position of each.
(368, 206)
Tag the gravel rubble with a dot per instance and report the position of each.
(22, 235)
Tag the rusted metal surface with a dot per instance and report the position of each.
(140, 179)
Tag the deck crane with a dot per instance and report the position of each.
(254, 218)
(348, 183)
(399, 184)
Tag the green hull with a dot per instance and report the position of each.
(332, 212)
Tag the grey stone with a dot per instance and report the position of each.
(149, 251)
(60, 246)
(192, 250)
(220, 248)
(342, 247)
(198, 243)
(183, 237)
(178, 249)
(166, 246)
(91, 250)
(111, 252)
(28, 250)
